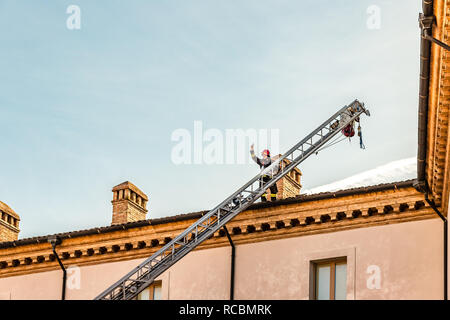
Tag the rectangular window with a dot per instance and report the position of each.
(330, 279)
(153, 292)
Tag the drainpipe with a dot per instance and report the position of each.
(444, 219)
(425, 51)
(233, 260)
(54, 241)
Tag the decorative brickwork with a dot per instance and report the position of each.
(9, 223)
(129, 203)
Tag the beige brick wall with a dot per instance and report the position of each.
(288, 189)
(126, 211)
(8, 233)
(129, 203)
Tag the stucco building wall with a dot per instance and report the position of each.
(408, 255)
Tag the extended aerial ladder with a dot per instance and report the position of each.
(145, 273)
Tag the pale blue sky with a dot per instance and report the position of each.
(84, 110)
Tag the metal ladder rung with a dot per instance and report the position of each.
(205, 226)
(137, 280)
(226, 210)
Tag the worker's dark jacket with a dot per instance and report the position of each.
(263, 164)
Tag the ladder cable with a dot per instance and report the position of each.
(331, 143)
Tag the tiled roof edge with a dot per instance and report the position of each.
(196, 215)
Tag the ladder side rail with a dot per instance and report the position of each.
(159, 253)
(168, 246)
(164, 264)
(293, 164)
(293, 149)
(324, 139)
(191, 244)
(189, 230)
(203, 237)
(315, 147)
(313, 133)
(289, 152)
(338, 129)
(325, 124)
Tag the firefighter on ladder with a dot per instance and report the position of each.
(264, 163)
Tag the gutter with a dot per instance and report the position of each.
(54, 241)
(426, 20)
(233, 262)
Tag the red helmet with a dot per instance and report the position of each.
(266, 152)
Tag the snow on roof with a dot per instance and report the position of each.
(399, 170)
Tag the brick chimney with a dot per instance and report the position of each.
(289, 186)
(129, 203)
(9, 223)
